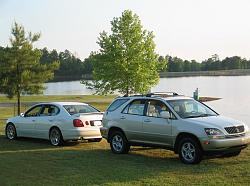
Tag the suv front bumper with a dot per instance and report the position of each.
(226, 144)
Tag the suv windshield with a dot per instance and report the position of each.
(74, 109)
(189, 108)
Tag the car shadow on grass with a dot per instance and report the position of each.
(26, 144)
(94, 164)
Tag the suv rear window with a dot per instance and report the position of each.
(116, 104)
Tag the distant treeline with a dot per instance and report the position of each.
(213, 63)
(73, 68)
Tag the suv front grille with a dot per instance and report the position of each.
(234, 129)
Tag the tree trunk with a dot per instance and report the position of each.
(18, 104)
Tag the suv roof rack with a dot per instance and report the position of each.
(162, 94)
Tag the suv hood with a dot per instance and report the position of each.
(214, 121)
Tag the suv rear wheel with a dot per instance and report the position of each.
(190, 151)
(119, 143)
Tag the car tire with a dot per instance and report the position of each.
(55, 137)
(10, 131)
(119, 143)
(190, 151)
(95, 140)
(231, 154)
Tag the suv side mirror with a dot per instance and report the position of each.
(165, 114)
(22, 114)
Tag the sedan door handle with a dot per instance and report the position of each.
(122, 117)
(33, 120)
(50, 120)
(147, 120)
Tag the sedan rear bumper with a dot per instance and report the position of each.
(82, 133)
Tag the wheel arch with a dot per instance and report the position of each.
(112, 129)
(54, 126)
(183, 135)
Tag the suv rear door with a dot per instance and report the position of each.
(131, 119)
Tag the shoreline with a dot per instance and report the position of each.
(235, 72)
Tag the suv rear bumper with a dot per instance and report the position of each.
(104, 132)
(225, 144)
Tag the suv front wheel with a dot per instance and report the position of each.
(190, 151)
(119, 143)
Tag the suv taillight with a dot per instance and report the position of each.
(78, 123)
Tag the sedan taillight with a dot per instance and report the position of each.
(78, 123)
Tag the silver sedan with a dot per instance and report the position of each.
(57, 122)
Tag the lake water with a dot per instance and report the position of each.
(234, 91)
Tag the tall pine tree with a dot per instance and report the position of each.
(20, 69)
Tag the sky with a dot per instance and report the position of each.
(189, 29)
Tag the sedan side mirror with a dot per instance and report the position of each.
(22, 114)
(165, 114)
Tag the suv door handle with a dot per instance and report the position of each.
(33, 120)
(147, 120)
(122, 117)
(50, 120)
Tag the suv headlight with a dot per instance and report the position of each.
(214, 133)
(246, 128)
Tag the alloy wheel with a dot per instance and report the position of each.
(117, 143)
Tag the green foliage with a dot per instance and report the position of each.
(176, 64)
(126, 62)
(71, 67)
(20, 69)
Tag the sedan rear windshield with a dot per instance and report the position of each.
(75, 109)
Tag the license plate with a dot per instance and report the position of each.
(97, 123)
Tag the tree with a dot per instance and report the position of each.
(126, 61)
(20, 69)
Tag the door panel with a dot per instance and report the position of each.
(131, 120)
(25, 126)
(157, 130)
(48, 117)
(132, 126)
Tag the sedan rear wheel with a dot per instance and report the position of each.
(55, 137)
(10, 131)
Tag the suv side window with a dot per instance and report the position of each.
(156, 107)
(116, 104)
(136, 107)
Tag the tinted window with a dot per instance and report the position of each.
(49, 110)
(75, 109)
(135, 108)
(35, 111)
(155, 108)
(116, 104)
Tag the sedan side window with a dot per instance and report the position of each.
(135, 108)
(33, 112)
(49, 110)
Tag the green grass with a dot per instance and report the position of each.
(35, 162)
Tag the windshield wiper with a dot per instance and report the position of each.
(197, 116)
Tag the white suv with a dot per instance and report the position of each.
(168, 120)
